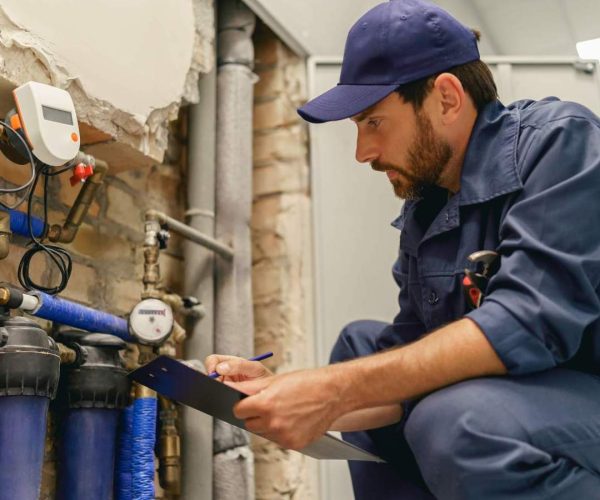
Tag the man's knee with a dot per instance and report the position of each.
(450, 433)
(356, 339)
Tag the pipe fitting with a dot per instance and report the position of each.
(169, 470)
(151, 278)
(68, 355)
(178, 334)
(97, 377)
(4, 296)
(223, 250)
(188, 306)
(141, 391)
(68, 231)
(29, 360)
(5, 234)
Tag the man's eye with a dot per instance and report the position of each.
(373, 123)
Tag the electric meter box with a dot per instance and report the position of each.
(47, 117)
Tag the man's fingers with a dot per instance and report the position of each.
(232, 366)
(243, 367)
(213, 360)
(249, 387)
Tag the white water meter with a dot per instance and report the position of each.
(151, 321)
(47, 117)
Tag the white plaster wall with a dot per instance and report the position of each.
(127, 64)
(133, 54)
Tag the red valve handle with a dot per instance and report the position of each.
(80, 173)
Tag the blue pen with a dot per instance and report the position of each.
(260, 357)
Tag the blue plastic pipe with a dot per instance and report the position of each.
(123, 465)
(19, 224)
(70, 313)
(142, 452)
(22, 435)
(87, 457)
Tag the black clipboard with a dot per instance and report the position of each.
(192, 388)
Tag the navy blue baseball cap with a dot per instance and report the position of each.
(394, 43)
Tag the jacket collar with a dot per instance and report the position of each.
(490, 164)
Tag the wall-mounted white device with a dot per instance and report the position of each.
(46, 115)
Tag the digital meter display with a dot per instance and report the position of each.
(57, 115)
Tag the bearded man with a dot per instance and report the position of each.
(492, 394)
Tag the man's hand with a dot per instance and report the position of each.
(235, 369)
(292, 409)
(296, 408)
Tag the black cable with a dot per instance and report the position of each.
(58, 255)
(59, 171)
(31, 179)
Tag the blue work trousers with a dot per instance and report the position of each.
(528, 437)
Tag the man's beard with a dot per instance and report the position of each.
(428, 155)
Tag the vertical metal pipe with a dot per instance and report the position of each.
(197, 429)
(234, 331)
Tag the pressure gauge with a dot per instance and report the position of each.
(151, 321)
(47, 117)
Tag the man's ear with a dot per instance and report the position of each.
(451, 97)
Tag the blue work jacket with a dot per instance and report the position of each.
(530, 190)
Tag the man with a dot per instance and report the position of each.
(499, 401)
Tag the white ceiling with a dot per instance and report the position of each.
(509, 27)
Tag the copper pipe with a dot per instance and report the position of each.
(68, 231)
(4, 234)
(169, 469)
(151, 278)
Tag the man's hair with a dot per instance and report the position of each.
(476, 79)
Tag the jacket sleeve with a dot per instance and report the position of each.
(544, 297)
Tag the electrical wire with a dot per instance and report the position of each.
(59, 256)
(31, 180)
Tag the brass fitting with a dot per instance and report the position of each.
(67, 355)
(68, 231)
(151, 278)
(141, 391)
(4, 296)
(169, 469)
(145, 354)
(5, 233)
(178, 334)
(177, 304)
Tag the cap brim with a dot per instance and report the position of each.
(343, 101)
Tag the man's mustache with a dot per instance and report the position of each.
(382, 167)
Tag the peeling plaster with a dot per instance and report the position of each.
(127, 65)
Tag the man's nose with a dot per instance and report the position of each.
(366, 151)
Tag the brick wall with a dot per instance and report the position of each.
(281, 247)
(107, 253)
(108, 259)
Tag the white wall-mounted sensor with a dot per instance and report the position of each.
(47, 116)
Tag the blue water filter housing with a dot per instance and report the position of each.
(92, 394)
(29, 374)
